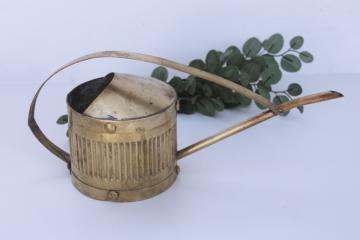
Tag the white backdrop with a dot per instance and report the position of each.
(293, 178)
(37, 36)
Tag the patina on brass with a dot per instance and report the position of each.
(123, 141)
(128, 97)
(122, 130)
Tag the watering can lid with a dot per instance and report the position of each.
(128, 97)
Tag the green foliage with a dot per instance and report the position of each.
(294, 89)
(252, 47)
(212, 61)
(290, 63)
(306, 57)
(274, 44)
(258, 66)
(160, 73)
(62, 119)
(197, 63)
(280, 99)
(301, 109)
(205, 106)
(297, 42)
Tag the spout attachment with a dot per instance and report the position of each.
(319, 97)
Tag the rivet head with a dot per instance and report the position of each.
(110, 128)
(113, 195)
(177, 169)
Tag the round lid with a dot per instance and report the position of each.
(123, 97)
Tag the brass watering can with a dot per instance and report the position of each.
(122, 129)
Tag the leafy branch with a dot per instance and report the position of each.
(257, 66)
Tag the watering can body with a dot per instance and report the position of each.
(122, 133)
(122, 129)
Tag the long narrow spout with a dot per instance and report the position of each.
(315, 98)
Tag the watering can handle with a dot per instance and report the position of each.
(273, 109)
(140, 57)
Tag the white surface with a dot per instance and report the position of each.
(290, 178)
(37, 36)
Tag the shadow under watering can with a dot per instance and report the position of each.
(122, 129)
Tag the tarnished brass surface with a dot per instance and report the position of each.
(134, 154)
(123, 138)
(128, 97)
(130, 195)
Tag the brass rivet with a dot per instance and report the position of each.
(110, 128)
(113, 195)
(177, 169)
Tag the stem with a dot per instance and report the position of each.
(288, 95)
(282, 54)
(283, 92)
(296, 51)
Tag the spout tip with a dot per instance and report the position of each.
(337, 94)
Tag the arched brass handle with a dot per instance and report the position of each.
(140, 57)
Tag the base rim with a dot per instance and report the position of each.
(114, 195)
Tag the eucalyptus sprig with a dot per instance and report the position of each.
(257, 66)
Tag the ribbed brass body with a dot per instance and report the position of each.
(126, 160)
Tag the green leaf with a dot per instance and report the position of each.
(306, 57)
(205, 89)
(260, 106)
(290, 63)
(274, 44)
(160, 73)
(244, 79)
(280, 99)
(228, 52)
(253, 70)
(252, 47)
(197, 63)
(236, 59)
(212, 61)
(205, 106)
(297, 42)
(271, 62)
(228, 97)
(233, 99)
(190, 85)
(301, 109)
(260, 61)
(178, 84)
(225, 94)
(185, 106)
(294, 89)
(194, 99)
(263, 92)
(266, 85)
(218, 104)
(271, 75)
(231, 73)
(62, 119)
